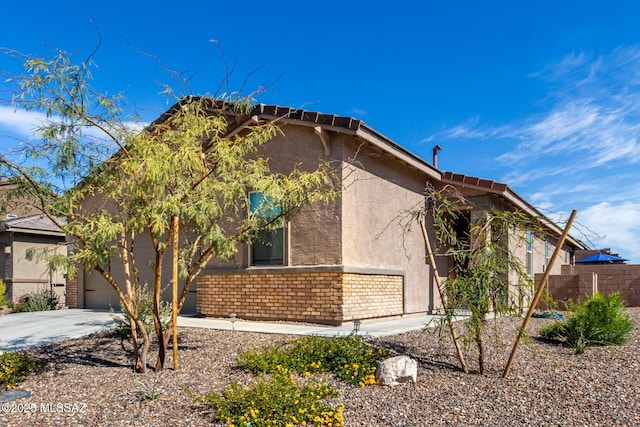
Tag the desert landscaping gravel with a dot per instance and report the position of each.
(89, 382)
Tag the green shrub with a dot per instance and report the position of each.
(43, 300)
(3, 293)
(40, 300)
(276, 400)
(145, 313)
(15, 367)
(598, 321)
(349, 357)
(20, 306)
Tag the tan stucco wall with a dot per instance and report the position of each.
(31, 275)
(361, 229)
(314, 232)
(378, 193)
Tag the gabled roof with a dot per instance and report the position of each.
(32, 224)
(509, 196)
(355, 127)
(329, 122)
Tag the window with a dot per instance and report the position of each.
(529, 261)
(546, 254)
(269, 246)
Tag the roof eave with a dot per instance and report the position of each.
(513, 198)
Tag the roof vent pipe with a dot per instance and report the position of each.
(435, 155)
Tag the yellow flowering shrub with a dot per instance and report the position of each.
(349, 357)
(276, 400)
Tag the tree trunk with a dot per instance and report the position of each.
(443, 297)
(140, 367)
(141, 361)
(481, 349)
(162, 349)
(174, 288)
(157, 289)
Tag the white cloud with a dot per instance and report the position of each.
(20, 122)
(618, 226)
(357, 112)
(23, 124)
(583, 151)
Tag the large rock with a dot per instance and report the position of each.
(396, 370)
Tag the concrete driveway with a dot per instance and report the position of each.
(23, 330)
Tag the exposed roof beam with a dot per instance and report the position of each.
(325, 138)
(251, 120)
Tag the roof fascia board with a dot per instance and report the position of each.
(370, 136)
(521, 204)
(33, 231)
(298, 122)
(397, 151)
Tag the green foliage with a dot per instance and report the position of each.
(40, 300)
(19, 306)
(486, 276)
(349, 357)
(276, 400)
(598, 321)
(43, 300)
(148, 389)
(187, 175)
(15, 367)
(143, 305)
(3, 293)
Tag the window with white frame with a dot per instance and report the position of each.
(529, 261)
(269, 246)
(546, 254)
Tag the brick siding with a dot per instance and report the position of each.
(318, 297)
(71, 293)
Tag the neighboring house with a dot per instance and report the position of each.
(23, 268)
(347, 260)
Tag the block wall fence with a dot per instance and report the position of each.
(318, 297)
(580, 281)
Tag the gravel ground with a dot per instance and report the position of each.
(548, 384)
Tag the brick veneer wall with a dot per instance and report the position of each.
(310, 296)
(71, 293)
(367, 296)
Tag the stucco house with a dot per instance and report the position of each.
(347, 260)
(24, 230)
(25, 274)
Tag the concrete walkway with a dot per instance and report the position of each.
(374, 328)
(24, 330)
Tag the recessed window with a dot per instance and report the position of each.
(546, 253)
(529, 261)
(269, 246)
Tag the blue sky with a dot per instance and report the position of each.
(544, 95)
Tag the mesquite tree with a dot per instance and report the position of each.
(485, 275)
(182, 182)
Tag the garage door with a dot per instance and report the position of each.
(99, 295)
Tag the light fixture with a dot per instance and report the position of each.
(356, 326)
(233, 318)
